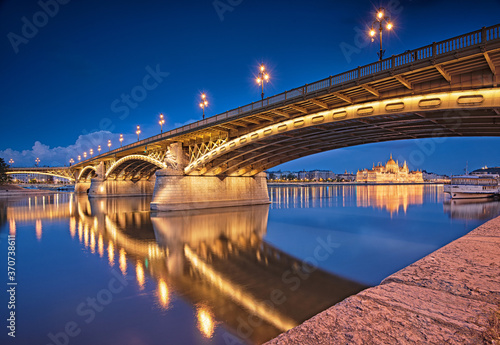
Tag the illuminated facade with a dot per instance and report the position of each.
(390, 173)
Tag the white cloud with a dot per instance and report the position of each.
(60, 156)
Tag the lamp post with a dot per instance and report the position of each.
(161, 122)
(71, 161)
(11, 161)
(203, 103)
(262, 77)
(91, 152)
(37, 161)
(79, 158)
(109, 145)
(99, 149)
(121, 140)
(380, 20)
(85, 155)
(138, 131)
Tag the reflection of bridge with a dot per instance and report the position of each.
(217, 260)
(449, 88)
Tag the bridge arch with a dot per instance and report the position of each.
(17, 172)
(135, 165)
(457, 113)
(88, 170)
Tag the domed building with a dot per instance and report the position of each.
(390, 173)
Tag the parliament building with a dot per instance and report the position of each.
(390, 173)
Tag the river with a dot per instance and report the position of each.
(109, 271)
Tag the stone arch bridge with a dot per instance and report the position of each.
(444, 89)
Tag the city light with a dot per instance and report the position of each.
(203, 103)
(85, 155)
(262, 77)
(91, 152)
(71, 161)
(79, 158)
(109, 144)
(99, 149)
(381, 18)
(161, 122)
(121, 140)
(138, 131)
(11, 161)
(37, 161)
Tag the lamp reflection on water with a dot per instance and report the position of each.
(163, 297)
(111, 254)
(38, 229)
(12, 227)
(80, 231)
(100, 246)
(86, 236)
(123, 261)
(92, 242)
(139, 273)
(206, 323)
(72, 227)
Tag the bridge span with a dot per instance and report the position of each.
(447, 88)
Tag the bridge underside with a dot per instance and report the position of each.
(269, 152)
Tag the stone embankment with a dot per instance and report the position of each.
(451, 296)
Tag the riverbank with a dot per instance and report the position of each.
(10, 190)
(450, 296)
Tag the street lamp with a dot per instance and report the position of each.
(11, 161)
(99, 149)
(380, 20)
(71, 161)
(91, 152)
(262, 77)
(109, 144)
(138, 131)
(121, 140)
(79, 158)
(37, 161)
(203, 103)
(85, 155)
(161, 122)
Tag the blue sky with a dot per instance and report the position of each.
(64, 82)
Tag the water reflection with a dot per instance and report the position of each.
(392, 198)
(217, 260)
(482, 209)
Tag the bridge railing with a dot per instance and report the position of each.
(431, 51)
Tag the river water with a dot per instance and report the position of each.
(109, 271)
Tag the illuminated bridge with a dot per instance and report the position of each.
(444, 89)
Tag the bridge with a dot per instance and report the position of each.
(445, 89)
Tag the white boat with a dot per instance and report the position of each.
(473, 186)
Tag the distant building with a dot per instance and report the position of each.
(346, 177)
(389, 173)
(431, 177)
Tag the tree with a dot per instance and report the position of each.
(4, 178)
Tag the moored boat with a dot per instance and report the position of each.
(473, 186)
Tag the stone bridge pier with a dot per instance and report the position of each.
(163, 176)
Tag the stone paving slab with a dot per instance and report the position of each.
(466, 267)
(448, 297)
